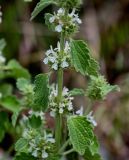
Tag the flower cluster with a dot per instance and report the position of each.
(39, 145)
(53, 58)
(65, 106)
(2, 58)
(0, 15)
(67, 24)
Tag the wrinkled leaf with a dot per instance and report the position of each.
(41, 92)
(80, 132)
(82, 59)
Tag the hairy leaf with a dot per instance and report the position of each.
(24, 156)
(89, 156)
(2, 44)
(40, 6)
(14, 118)
(6, 89)
(82, 59)
(35, 122)
(80, 132)
(16, 70)
(41, 92)
(11, 103)
(21, 145)
(77, 91)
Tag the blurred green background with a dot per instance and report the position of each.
(105, 27)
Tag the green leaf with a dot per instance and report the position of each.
(14, 118)
(98, 88)
(2, 44)
(80, 132)
(82, 59)
(21, 145)
(41, 92)
(24, 156)
(40, 6)
(35, 122)
(89, 156)
(11, 103)
(24, 85)
(6, 89)
(16, 70)
(77, 91)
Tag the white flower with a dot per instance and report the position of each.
(2, 58)
(52, 113)
(65, 91)
(72, 13)
(35, 153)
(67, 47)
(52, 59)
(55, 66)
(52, 19)
(64, 64)
(44, 154)
(80, 111)
(77, 19)
(61, 110)
(60, 12)
(90, 118)
(46, 60)
(58, 28)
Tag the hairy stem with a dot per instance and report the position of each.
(58, 129)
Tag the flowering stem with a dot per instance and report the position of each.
(58, 129)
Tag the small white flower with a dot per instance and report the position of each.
(64, 64)
(58, 28)
(61, 110)
(67, 47)
(52, 59)
(72, 13)
(65, 91)
(52, 19)
(80, 111)
(60, 12)
(2, 59)
(44, 154)
(45, 60)
(52, 114)
(35, 153)
(55, 66)
(77, 19)
(70, 107)
(90, 118)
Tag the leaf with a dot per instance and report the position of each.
(82, 60)
(21, 145)
(77, 91)
(80, 132)
(14, 118)
(16, 70)
(89, 156)
(11, 103)
(41, 92)
(40, 6)
(6, 89)
(24, 156)
(2, 44)
(24, 85)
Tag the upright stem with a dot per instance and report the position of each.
(58, 129)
